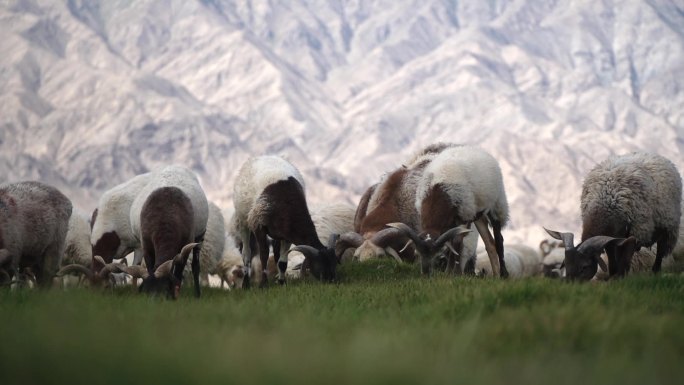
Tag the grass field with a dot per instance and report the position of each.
(382, 323)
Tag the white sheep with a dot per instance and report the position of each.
(390, 200)
(112, 236)
(230, 268)
(169, 215)
(34, 219)
(460, 186)
(270, 201)
(521, 261)
(628, 202)
(329, 219)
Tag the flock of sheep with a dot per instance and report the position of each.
(432, 209)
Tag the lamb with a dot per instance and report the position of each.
(462, 185)
(628, 202)
(390, 200)
(269, 200)
(521, 261)
(34, 218)
(230, 267)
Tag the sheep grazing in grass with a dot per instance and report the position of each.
(112, 236)
(521, 261)
(270, 201)
(390, 200)
(170, 217)
(34, 219)
(461, 186)
(78, 254)
(628, 202)
(230, 268)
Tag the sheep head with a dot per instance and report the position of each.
(322, 263)
(102, 273)
(582, 261)
(383, 242)
(167, 277)
(429, 248)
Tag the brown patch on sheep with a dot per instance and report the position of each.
(106, 246)
(362, 208)
(437, 212)
(387, 210)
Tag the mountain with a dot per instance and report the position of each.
(92, 93)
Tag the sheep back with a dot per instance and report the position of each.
(34, 219)
(471, 178)
(632, 195)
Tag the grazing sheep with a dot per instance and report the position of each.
(329, 219)
(390, 200)
(170, 217)
(270, 201)
(230, 268)
(34, 219)
(78, 251)
(628, 202)
(521, 261)
(112, 236)
(462, 185)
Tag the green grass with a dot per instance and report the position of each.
(382, 323)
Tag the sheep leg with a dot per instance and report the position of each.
(282, 261)
(263, 248)
(196, 271)
(663, 245)
(498, 239)
(482, 227)
(245, 235)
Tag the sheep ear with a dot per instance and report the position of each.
(567, 238)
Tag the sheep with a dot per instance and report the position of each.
(628, 202)
(328, 219)
(34, 219)
(78, 252)
(213, 245)
(269, 200)
(521, 261)
(169, 215)
(390, 200)
(461, 186)
(111, 234)
(230, 268)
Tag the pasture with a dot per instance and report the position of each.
(381, 323)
